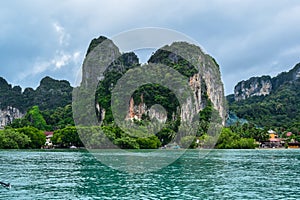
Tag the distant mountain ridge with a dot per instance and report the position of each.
(49, 95)
(269, 102)
(264, 85)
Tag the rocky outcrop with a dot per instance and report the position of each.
(101, 53)
(195, 84)
(261, 86)
(255, 86)
(214, 87)
(50, 94)
(9, 114)
(203, 72)
(203, 77)
(289, 76)
(137, 112)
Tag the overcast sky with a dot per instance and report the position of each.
(246, 37)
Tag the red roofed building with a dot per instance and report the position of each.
(48, 134)
(48, 143)
(274, 141)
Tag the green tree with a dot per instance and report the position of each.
(10, 139)
(231, 140)
(36, 119)
(151, 142)
(19, 123)
(207, 141)
(166, 135)
(37, 137)
(188, 141)
(67, 137)
(127, 143)
(59, 118)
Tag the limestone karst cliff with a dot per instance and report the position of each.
(264, 85)
(14, 102)
(268, 102)
(255, 86)
(8, 114)
(201, 72)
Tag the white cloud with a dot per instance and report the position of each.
(61, 59)
(63, 37)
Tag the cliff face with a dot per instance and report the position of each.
(200, 71)
(261, 86)
(255, 86)
(97, 59)
(213, 82)
(289, 76)
(7, 115)
(278, 109)
(139, 111)
(203, 75)
(50, 94)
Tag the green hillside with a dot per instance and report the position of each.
(50, 94)
(281, 108)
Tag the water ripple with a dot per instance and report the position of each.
(222, 174)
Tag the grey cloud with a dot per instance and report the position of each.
(248, 37)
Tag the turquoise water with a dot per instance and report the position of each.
(222, 174)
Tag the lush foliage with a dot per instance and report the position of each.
(26, 137)
(37, 137)
(279, 109)
(232, 140)
(188, 141)
(123, 140)
(173, 60)
(48, 120)
(10, 139)
(104, 137)
(237, 136)
(58, 118)
(10, 96)
(35, 117)
(67, 137)
(49, 95)
(157, 94)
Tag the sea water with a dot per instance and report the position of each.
(221, 174)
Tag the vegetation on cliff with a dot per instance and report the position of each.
(280, 109)
(48, 108)
(152, 94)
(50, 94)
